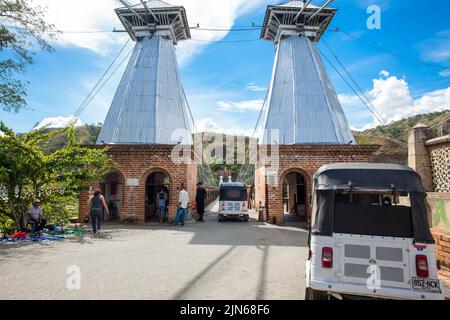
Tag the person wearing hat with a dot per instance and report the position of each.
(36, 218)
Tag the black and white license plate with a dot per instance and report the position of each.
(426, 285)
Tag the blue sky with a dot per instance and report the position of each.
(226, 82)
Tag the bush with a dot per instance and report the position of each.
(7, 226)
(58, 214)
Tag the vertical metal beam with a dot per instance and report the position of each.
(126, 4)
(302, 10)
(148, 9)
(320, 9)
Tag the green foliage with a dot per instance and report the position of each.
(59, 212)
(22, 29)
(7, 226)
(27, 172)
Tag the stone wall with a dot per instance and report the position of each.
(136, 163)
(439, 151)
(304, 159)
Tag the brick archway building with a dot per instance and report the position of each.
(306, 159)
(137, 163)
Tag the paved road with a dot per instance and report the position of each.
(231, 260)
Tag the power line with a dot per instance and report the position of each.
(98, 86)
(361, 91)
(225, 41)
(392, 53)
(351, 87)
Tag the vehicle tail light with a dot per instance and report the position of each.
(310, 255)
(222, 206)
(422, 266)
(244, 206)
(327, 258)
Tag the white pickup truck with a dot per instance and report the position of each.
(370, 235)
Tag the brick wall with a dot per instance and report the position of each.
(138, 163)
(442, 239)
(305, 159)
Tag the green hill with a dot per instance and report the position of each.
(392, 138)
(86, 134)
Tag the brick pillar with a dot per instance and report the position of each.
(418, 155)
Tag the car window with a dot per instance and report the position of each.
(233, 194)
(372, 214)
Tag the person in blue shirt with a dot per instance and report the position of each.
(161, 200)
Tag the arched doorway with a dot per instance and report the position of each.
(295, 197)
(156, 181)
(112, 188)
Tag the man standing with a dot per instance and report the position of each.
(183, 204)
(161, 199)
(200, 200)
(36, 218)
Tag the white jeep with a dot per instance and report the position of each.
(370, 235)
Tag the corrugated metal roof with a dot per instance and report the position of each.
(150, 104)
(302, 103)
(299, 4)
(152, 4)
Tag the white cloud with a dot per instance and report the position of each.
(241, 106)
(255, 88)
(209, 125)
(391, 96)
(58, 122)
(384, 73)
(445, 73)
(437, 49)
(87, 15)
(349, 100)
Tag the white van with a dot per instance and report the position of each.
(370, 235)
(233, 201)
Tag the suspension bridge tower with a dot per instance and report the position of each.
(148, 117)
(302, 116)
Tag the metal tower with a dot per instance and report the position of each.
(150, 104)
(302, 103)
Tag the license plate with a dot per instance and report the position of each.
(427, 285)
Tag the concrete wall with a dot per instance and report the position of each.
(440, 210)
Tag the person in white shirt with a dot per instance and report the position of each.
(183, 205)
(36, 218)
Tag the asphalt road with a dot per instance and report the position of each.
(231, 260)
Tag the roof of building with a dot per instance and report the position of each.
(152, 15)
(368, 176)
(151, 4)
(298, 4)
(302, 105)
(295, 16)
(150, 106)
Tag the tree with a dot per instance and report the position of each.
(22, 30)
(27, 173)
